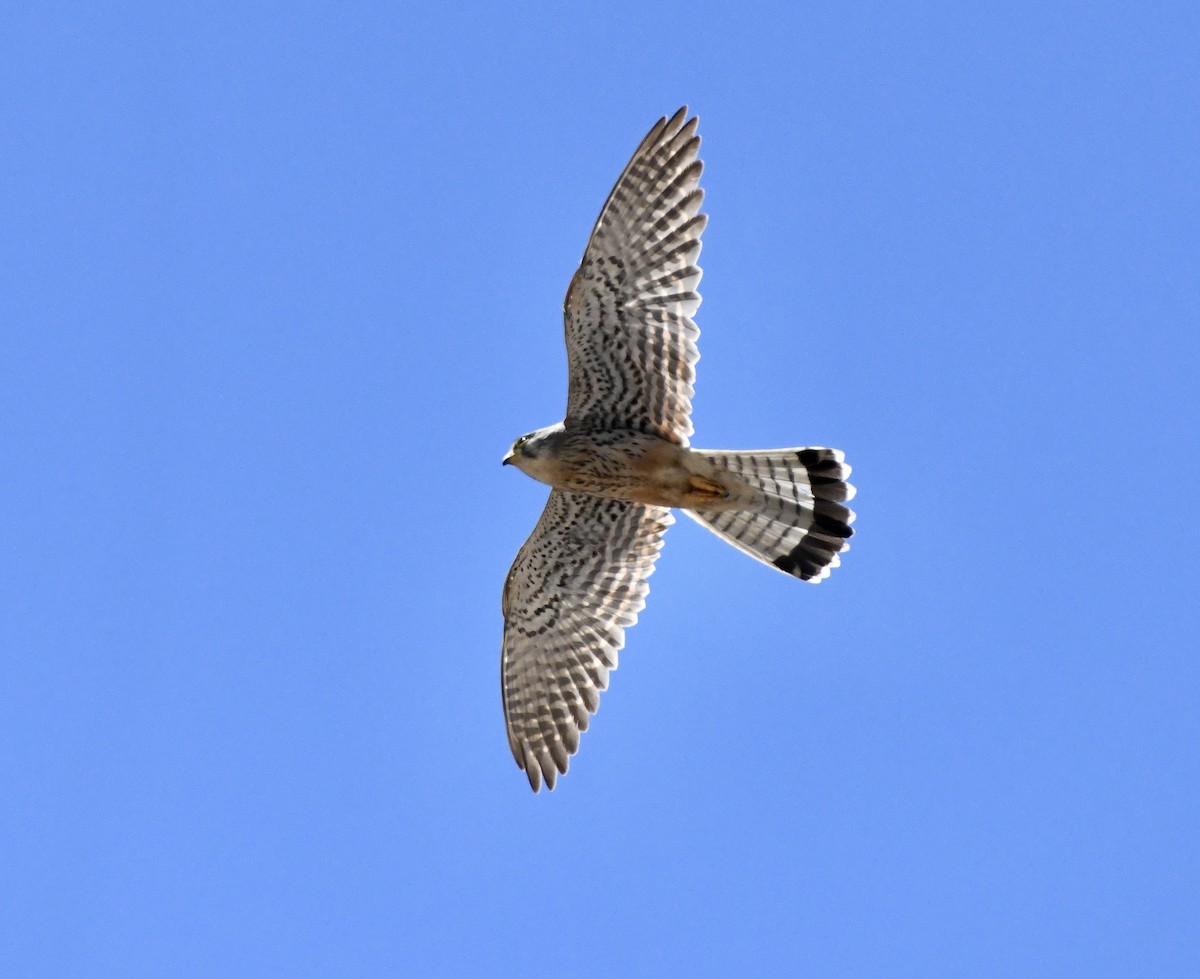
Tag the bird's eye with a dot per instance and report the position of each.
(521, 441)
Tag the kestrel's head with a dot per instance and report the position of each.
(532, 448)
(521, 449)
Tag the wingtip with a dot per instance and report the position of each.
(675, 122)
(681, 120)
(540, 768)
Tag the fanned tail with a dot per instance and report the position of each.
(795, 518)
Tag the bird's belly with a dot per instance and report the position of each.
(643, 470)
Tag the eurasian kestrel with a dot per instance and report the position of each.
(620, 461)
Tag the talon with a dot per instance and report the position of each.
(706, 488)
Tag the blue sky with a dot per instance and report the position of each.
(279, 284)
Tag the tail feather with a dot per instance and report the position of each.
(794, 516)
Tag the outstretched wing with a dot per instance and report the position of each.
(631, 342)
(577, 584)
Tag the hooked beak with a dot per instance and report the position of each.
(507, 460)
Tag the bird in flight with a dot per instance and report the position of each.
(620, 461)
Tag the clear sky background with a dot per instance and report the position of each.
(279, 285)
